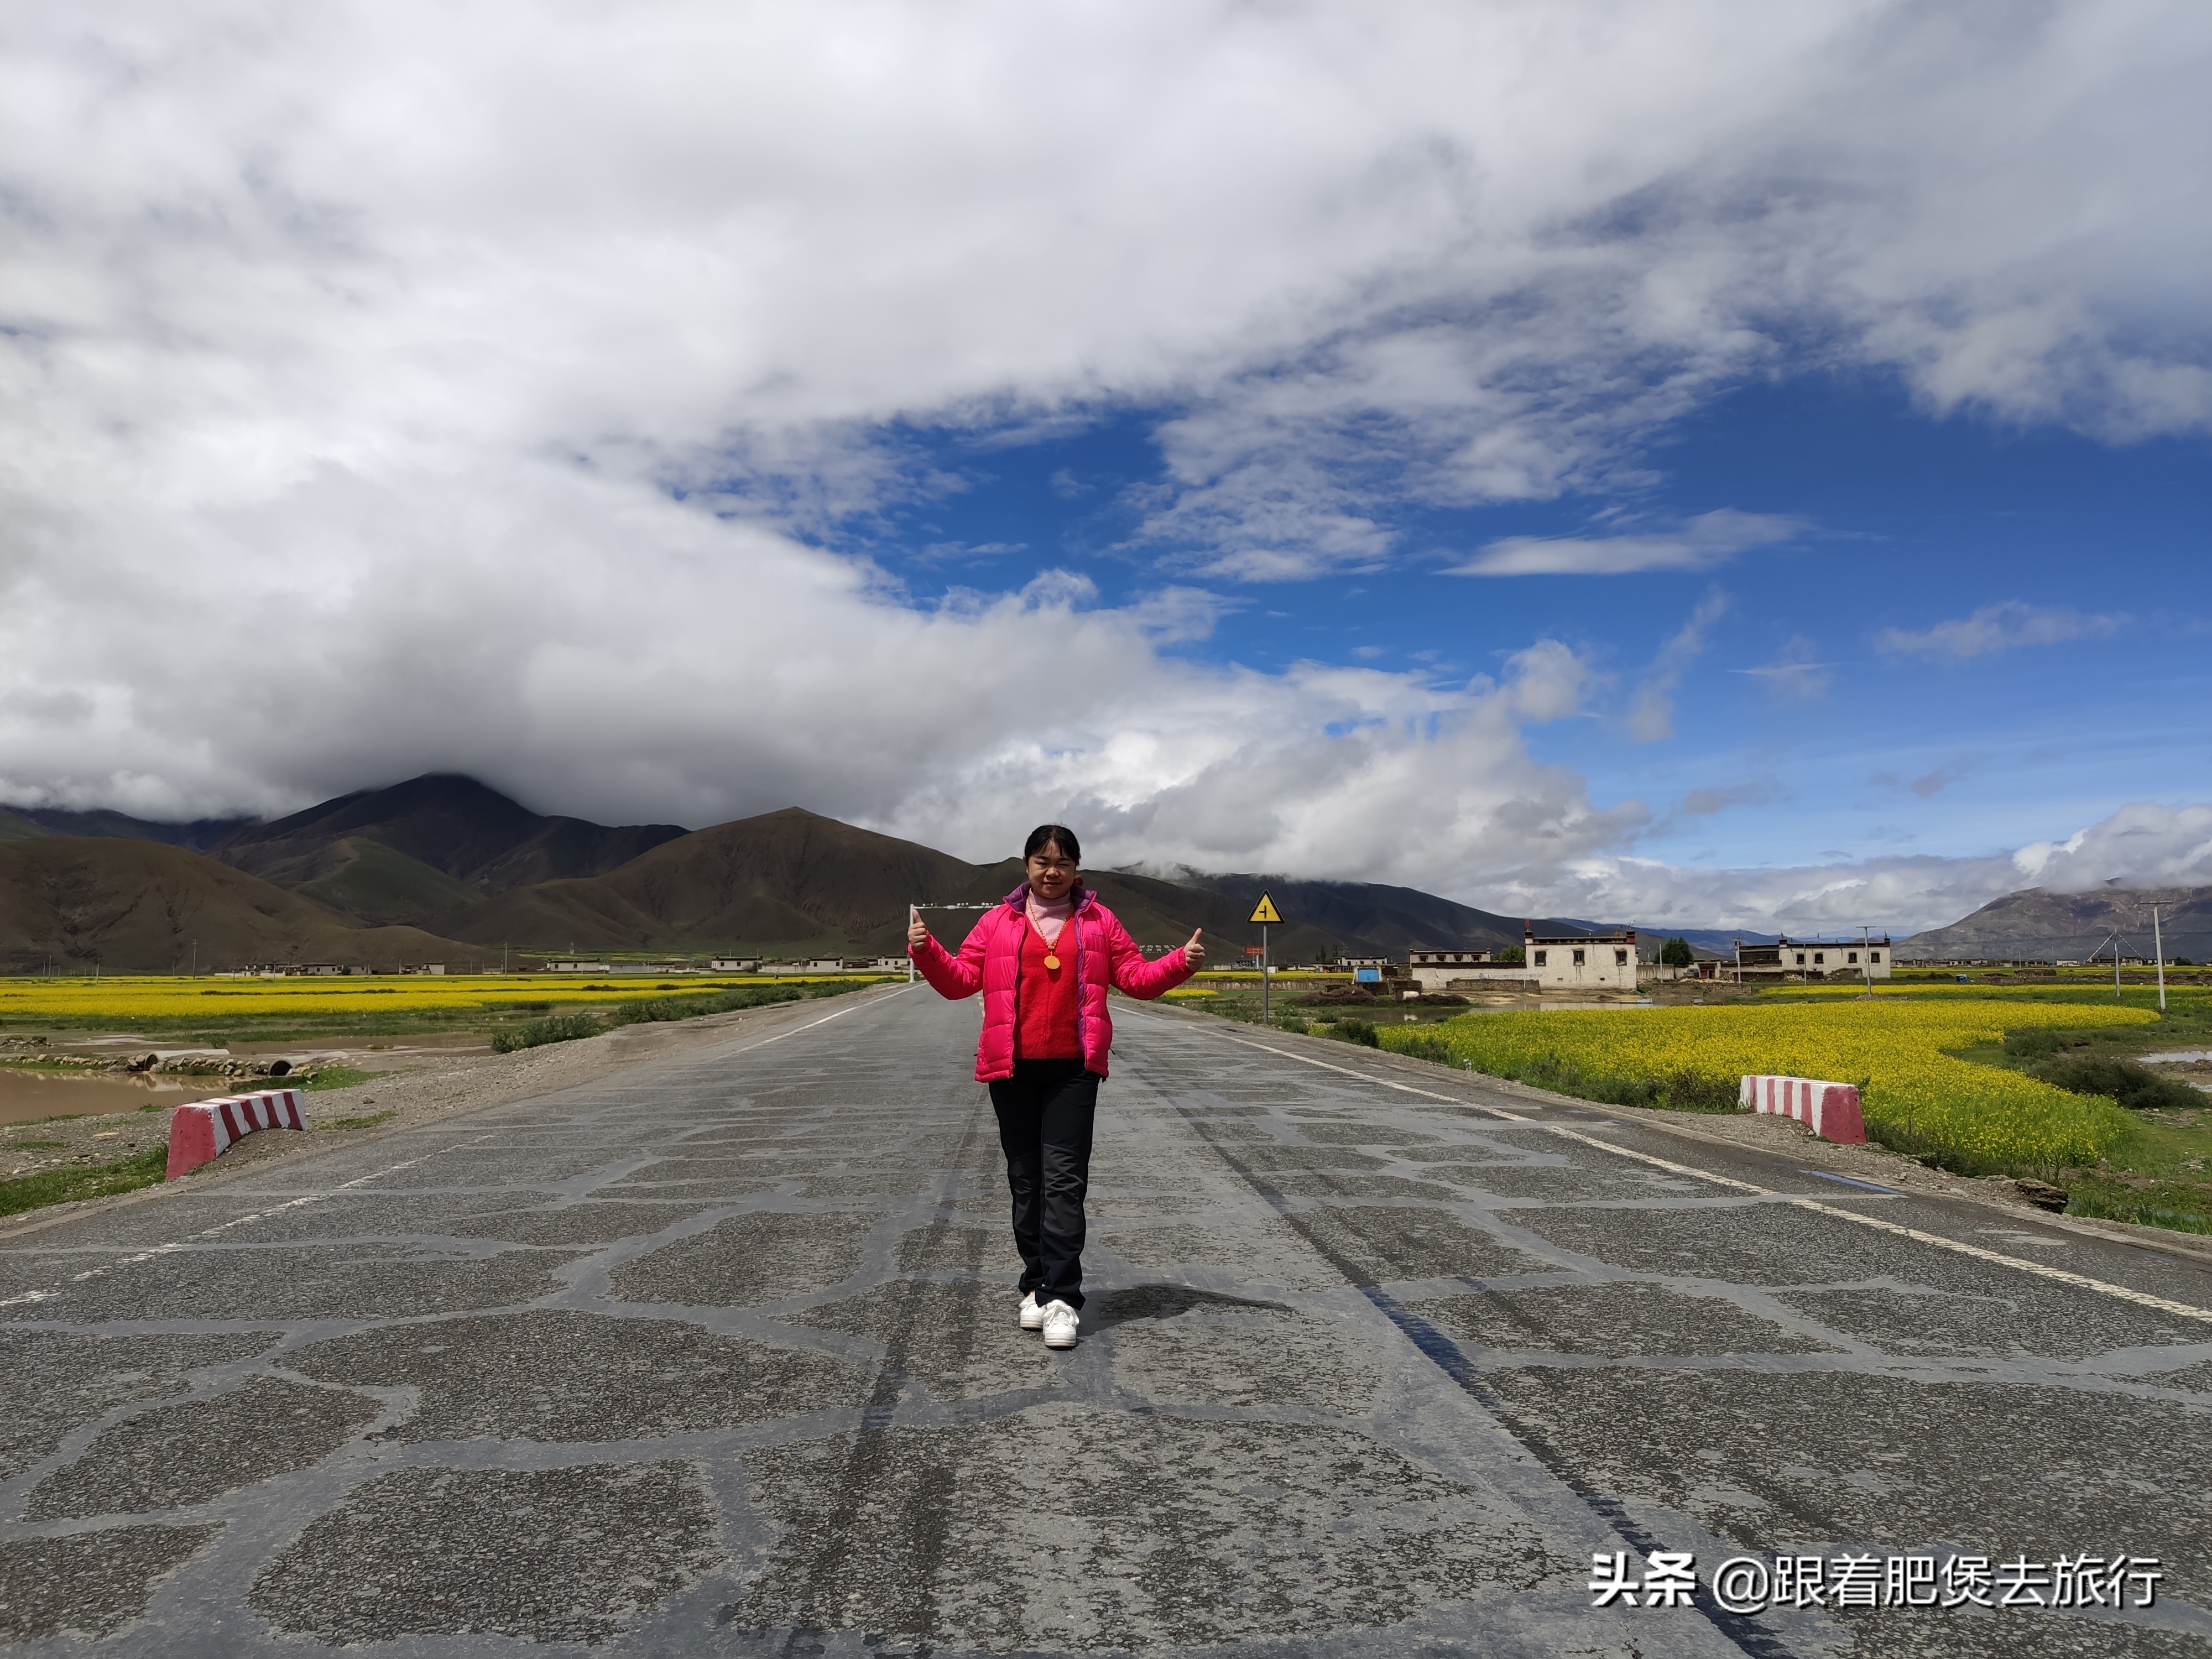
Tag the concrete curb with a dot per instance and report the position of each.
(206, 1129)
(1830, 1110)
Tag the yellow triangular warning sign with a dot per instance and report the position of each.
(1266, 911)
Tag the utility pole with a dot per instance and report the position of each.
(2158, 950)
(1866, 966)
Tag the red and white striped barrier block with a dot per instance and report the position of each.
(201, 1131)
(1830, 1110)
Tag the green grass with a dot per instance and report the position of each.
(2134, 1086)
(341, 1077)
(655, 1010)
(35, 1192)
(2184, 1205)
(553, 1028)
(367, 1121)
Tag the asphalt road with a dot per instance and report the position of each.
(717, 1356)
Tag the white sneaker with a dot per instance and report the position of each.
(1032, 1315)
(1060, 1323)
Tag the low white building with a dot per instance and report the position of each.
(578, 967)
(1592, 961)
(1815, 959)
(1447, 970)
(734, 964)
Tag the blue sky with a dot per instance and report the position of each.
(1705, 462)
(2086, 691)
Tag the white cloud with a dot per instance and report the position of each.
(1651, 711)
(1997, 628)
(1704, 803)
(1546, 681)
(354, 360)
(2142, 845)
(1794, 673)
(1709, 539)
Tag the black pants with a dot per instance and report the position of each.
(1044, 1127)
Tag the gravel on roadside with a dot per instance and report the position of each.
(421, 1088)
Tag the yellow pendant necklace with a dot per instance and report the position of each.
(1051, 955)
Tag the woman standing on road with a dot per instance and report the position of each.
(1043, 960)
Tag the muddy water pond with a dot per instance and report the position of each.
(28, 1095)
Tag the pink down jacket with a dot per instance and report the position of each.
(990, 962)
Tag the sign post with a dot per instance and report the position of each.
(1263, 913)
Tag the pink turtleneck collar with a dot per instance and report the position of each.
(1049, 918)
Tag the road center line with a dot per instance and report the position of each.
(2041, 1270)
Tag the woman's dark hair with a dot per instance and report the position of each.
(1047, 835)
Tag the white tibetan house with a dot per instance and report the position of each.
(1589, 962)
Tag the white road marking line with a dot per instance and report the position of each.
(811, 1024)
(2040, 1269)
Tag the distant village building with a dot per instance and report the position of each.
(735, 965)
(426, 968)
(1447, 958)
(318, 968)
(1815, 959)
(578, 967)
(1586, 962)
(1446, 970)
(1590, 962)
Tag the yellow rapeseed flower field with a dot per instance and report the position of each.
(26, 1001)
(1916, 1096)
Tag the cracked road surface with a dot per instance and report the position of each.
(717, 1355)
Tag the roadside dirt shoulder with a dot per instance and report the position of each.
(425, 1091)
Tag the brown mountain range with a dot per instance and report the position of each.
(445, 868)
(2041, 925)
(140, 905)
